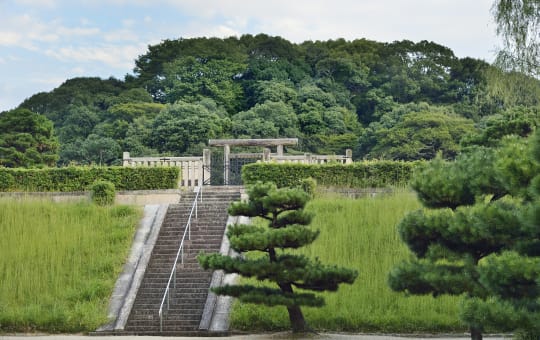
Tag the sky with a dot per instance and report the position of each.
(45, 42)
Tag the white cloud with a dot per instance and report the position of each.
(111, 55)
(38, 3)
(28, 32)
(9, 38)
(48, 81)
(128, 23)
(121, 35)
(458, 24)
(66, 32)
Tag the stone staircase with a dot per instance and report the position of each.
(192, 283)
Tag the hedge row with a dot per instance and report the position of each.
(367, 174)
(81, 178)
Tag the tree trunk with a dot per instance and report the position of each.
(476, 333)
(298, 323)
(296, 317)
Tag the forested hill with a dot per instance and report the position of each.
(400, 100)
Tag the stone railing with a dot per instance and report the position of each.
(308, 158)
(193, 171)
(196, 170)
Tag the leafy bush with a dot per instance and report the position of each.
(308, 185)
(81, 178)
(356, 175)
(103, 193)
(6, 181)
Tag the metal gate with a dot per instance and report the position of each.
(228, 173)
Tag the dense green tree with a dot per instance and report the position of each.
(414, 132)
(287, 228)
(149, 66)
(92, 93)
(136, 139)
(331, 91)
(470, 238)
(266, 120)
(79, 122)
(184, 128)
(190, 79)
(94, 149)
(275, 91)
(519, 121)
(27, 139)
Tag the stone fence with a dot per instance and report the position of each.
(197, 170)
(193, 170)
(309, 158)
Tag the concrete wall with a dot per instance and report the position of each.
(136, 197)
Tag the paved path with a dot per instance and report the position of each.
(272, 336)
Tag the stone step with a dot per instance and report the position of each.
(174, 302)
(188, 298)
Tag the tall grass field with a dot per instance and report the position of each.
(360, 234)
(59, 263)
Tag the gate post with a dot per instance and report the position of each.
(348, 156)
(206, 163)
(266, 155)
(279, 150)
(125, 158)
(226, 163)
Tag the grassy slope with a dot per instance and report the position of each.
(360, 234)
(59, 263)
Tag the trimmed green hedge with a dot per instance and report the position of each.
(374, 174)
(81, 178)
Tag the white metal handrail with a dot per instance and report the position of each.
(179, 255)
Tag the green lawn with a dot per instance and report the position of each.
(360, 234)
(59, 263)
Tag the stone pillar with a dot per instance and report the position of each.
(226, 163)
(125, 159)
(206, 163)
(348, 156)
(266, 155)
(280, 150)
(308, 158)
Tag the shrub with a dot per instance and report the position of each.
(356, 175)
(6, 181)
(81, 178)
(103, 193)
(308, 185)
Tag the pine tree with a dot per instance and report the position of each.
(287, 228)
(478, 237)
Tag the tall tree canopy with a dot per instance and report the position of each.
(332, 95)
(27, 139)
